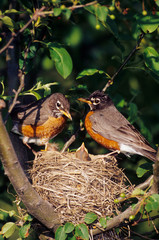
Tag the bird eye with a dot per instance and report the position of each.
(58, 104)
(96, 101)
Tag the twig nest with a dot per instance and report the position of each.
(75, 187)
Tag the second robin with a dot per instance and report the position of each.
(107, 126)
(42, 120)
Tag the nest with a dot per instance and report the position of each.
(75, 187)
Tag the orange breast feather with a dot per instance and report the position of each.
(49, 129)
(109, 144)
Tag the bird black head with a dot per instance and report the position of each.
(97, 100)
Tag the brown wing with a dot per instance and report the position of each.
(114, 126)
(35, 113)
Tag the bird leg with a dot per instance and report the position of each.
(25, 143)
(116, 152)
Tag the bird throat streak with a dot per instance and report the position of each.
(109, 144)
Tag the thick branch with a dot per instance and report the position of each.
(117, 220)
(40, 209)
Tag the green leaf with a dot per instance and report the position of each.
(148, 23)
(101, 13)
(142, 169)
(57, 11)
(9, 23)
(157, 2)
(62, 59)
(152, 203)
(24, 230)
(90, 217)
(103, 222)
(151, 57)
(71, 238)
(137, 192)
(90, 72)
(37, 95)
(81, 230)
(60, 233)
(13, 11)
(69, 227)
(11, 213)
(8, 229)
(67, 13)
(155, 197)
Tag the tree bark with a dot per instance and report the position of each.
(36, 206)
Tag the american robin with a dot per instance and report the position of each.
(42, 120)
(107, 126)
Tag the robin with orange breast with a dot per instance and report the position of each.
(107, 126)
(42, 120)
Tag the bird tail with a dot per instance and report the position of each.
(150, 155)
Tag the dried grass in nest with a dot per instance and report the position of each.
(75, 187)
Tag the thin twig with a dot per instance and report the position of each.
(110, 81)
(15, 35)
(70, 8)
(70, 141)
(16, 96)
(141, 236)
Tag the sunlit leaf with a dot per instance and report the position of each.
(57, 11)
(99, 11)
(148, 23)
(137, 192)
(157, 2)
(69, 227)
(13, 11)
(103, 222)
(24, 230)
(89, 72)
(11, 213)
(8, 229)
(35, 94)
(142, 169)
(60, 233)
(90, 217)
(151, 57)
(81, 230)
(67, 13)
(10, 24)
(62, 59)
(152, 203)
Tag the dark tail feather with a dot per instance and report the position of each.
(150, 155)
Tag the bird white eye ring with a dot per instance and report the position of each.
(58, 104)
(96, 101)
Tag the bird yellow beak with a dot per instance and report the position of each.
(85, 100)
(66, 113)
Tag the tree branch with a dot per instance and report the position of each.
(70, 141)
(110, 82)
(40, 209)
(15, 35)
(117, 220)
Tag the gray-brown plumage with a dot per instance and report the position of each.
(111, 129)
(41, 120)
